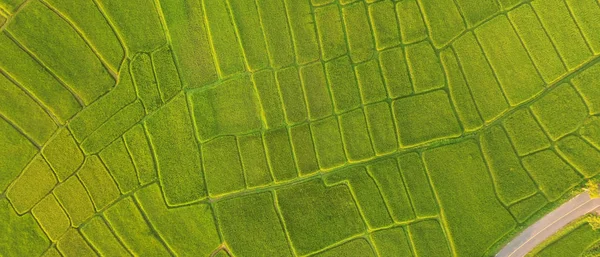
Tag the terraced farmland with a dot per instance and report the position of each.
(292, 127)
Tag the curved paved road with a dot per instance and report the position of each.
(535, 234)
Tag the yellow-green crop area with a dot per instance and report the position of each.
(579, 238)
(241, 128)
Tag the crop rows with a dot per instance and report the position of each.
(290, 127)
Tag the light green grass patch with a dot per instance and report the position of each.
(117, 160)
(24, 112)
(307, 209)
(425, 68)
(388, 178)
(254, 161)
(459, 92)
(230, 107)
(100, 237)
(466, 197)
(392, 242)
(523, 209)
(510, 178)
(381, 127)
(137, 22)
(222, 166)
(51, 217)
(130, 226)
(553, 176)
(292, 95)
(511, 63)
(358, 31)
(342, 84)
(561, 111)
(314, 83)
(356, 135)
(73, 197)
(178, 161)
(98, 182)
(429, 239)
(328, 143)
(366, 194)
(395, 72)
(63, 154)
(81, 70)
(73, 244)
(180, 228)
(486, 91)
(359, 247)
(330, 32)
(24, 237)
(279, 154)
(563, 31)
(424, 118)
(35, 182)
(263, 233)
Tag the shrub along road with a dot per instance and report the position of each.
(537, 233)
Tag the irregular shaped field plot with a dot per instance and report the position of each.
(292, 127)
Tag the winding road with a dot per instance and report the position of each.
(535, 234)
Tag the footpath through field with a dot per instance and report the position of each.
(535, 234)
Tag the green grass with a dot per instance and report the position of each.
(395, 72)
(279, 154)
(222, 166)
(24, 112)
(366, 194)
(372, 88)
(424, 66)
(574, 238)
(359, 247)
(360, 42)
(356, 135)
(553, 176)
(487, 94)
(393, 241)
(511, 63)
(99, 183)
(511, 181)
(381, 127)
(257, 215)
(459, 92)
(32, 185)
(292, 127)
(73, 197)
(116, 159)
(30, 75)
(63, 154)
(51, 217)
(475, 217)
(81, 70)
(429, 239)
(290, 89)
(128, 17)
(525, 208)
(100, 237)
(536, 41)
(307, 209)
(425, 118)
(132, 229)
(556, 19)
(560, 123)
(254, 162)
(388, 178)
(181, 226)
